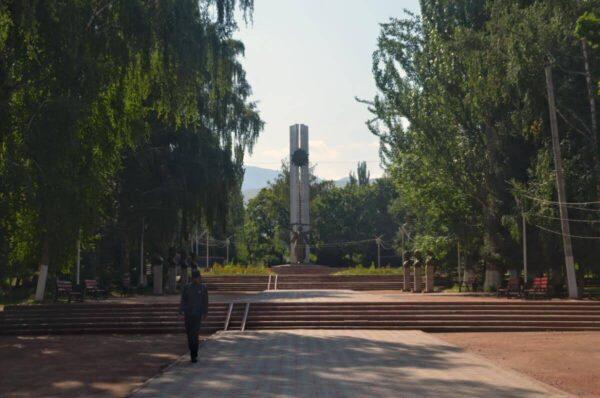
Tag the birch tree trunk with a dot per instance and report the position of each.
(40, 290)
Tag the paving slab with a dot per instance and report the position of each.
(324, 295)
(338, 363)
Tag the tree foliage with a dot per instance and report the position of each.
(113, 113)
(344, 221)
(462, 117)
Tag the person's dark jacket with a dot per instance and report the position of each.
(194, 300)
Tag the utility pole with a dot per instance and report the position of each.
(142, 279)
(78, 256)
(227, 242)
(524, 230)
(378, 240)
(402, 238)
(560, 187)
(207, 248)
(524, 227)
(458, 268)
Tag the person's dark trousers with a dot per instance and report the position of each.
(192, 328)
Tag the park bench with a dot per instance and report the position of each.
(65, 289)
(125, 285)
(539, 288)
(92, 289)
(513, 288)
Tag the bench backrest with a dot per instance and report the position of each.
(64, 286)
(90, 283)
(514, 283)
(540, 283)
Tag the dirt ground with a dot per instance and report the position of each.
(83, 366)
(566, 360)
(113, 365)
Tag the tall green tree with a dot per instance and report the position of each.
(462, 117)
(90, 92)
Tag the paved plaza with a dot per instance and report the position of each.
(338, 363)
(321, 296)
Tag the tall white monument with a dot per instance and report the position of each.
(299, 195)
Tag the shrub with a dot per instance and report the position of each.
(235, 269)
(372, 270)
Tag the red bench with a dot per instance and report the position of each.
(92, 289)
(539, 287)
(513, 287)
(65, 289)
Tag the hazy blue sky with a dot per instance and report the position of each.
(306, 61)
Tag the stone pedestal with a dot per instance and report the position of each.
(493, 278)
(429, 275)
(172, 279)
(406, 278)
(417, 280)
(157, 275)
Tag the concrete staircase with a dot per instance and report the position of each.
(429, 317)
(304, 281)
(303, 269)
(347, 282)
(101, 318)
(104, 318)
(236, 283)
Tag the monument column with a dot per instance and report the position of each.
(305, 193)
(294, 193)
(299, 194)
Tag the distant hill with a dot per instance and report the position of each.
(342, 182)
(250, 194)
(257, 178)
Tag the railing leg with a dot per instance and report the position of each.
(228, 316)
(276, 276)
(269, 283)
(245, 317)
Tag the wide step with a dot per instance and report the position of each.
(104, 318)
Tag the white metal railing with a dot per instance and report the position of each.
(269, 283)
(228, 316)
(276, 282)
(243, 327)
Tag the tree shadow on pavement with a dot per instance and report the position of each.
(337, 364)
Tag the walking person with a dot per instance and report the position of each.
(194, 305)
(184, 263)
(194, 261)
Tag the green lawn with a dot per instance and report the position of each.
(233, 269)
(372, 270)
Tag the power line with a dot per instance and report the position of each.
(569, 235)
(570, 219)
(583, 208)
(565, 203)
(319, 245)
